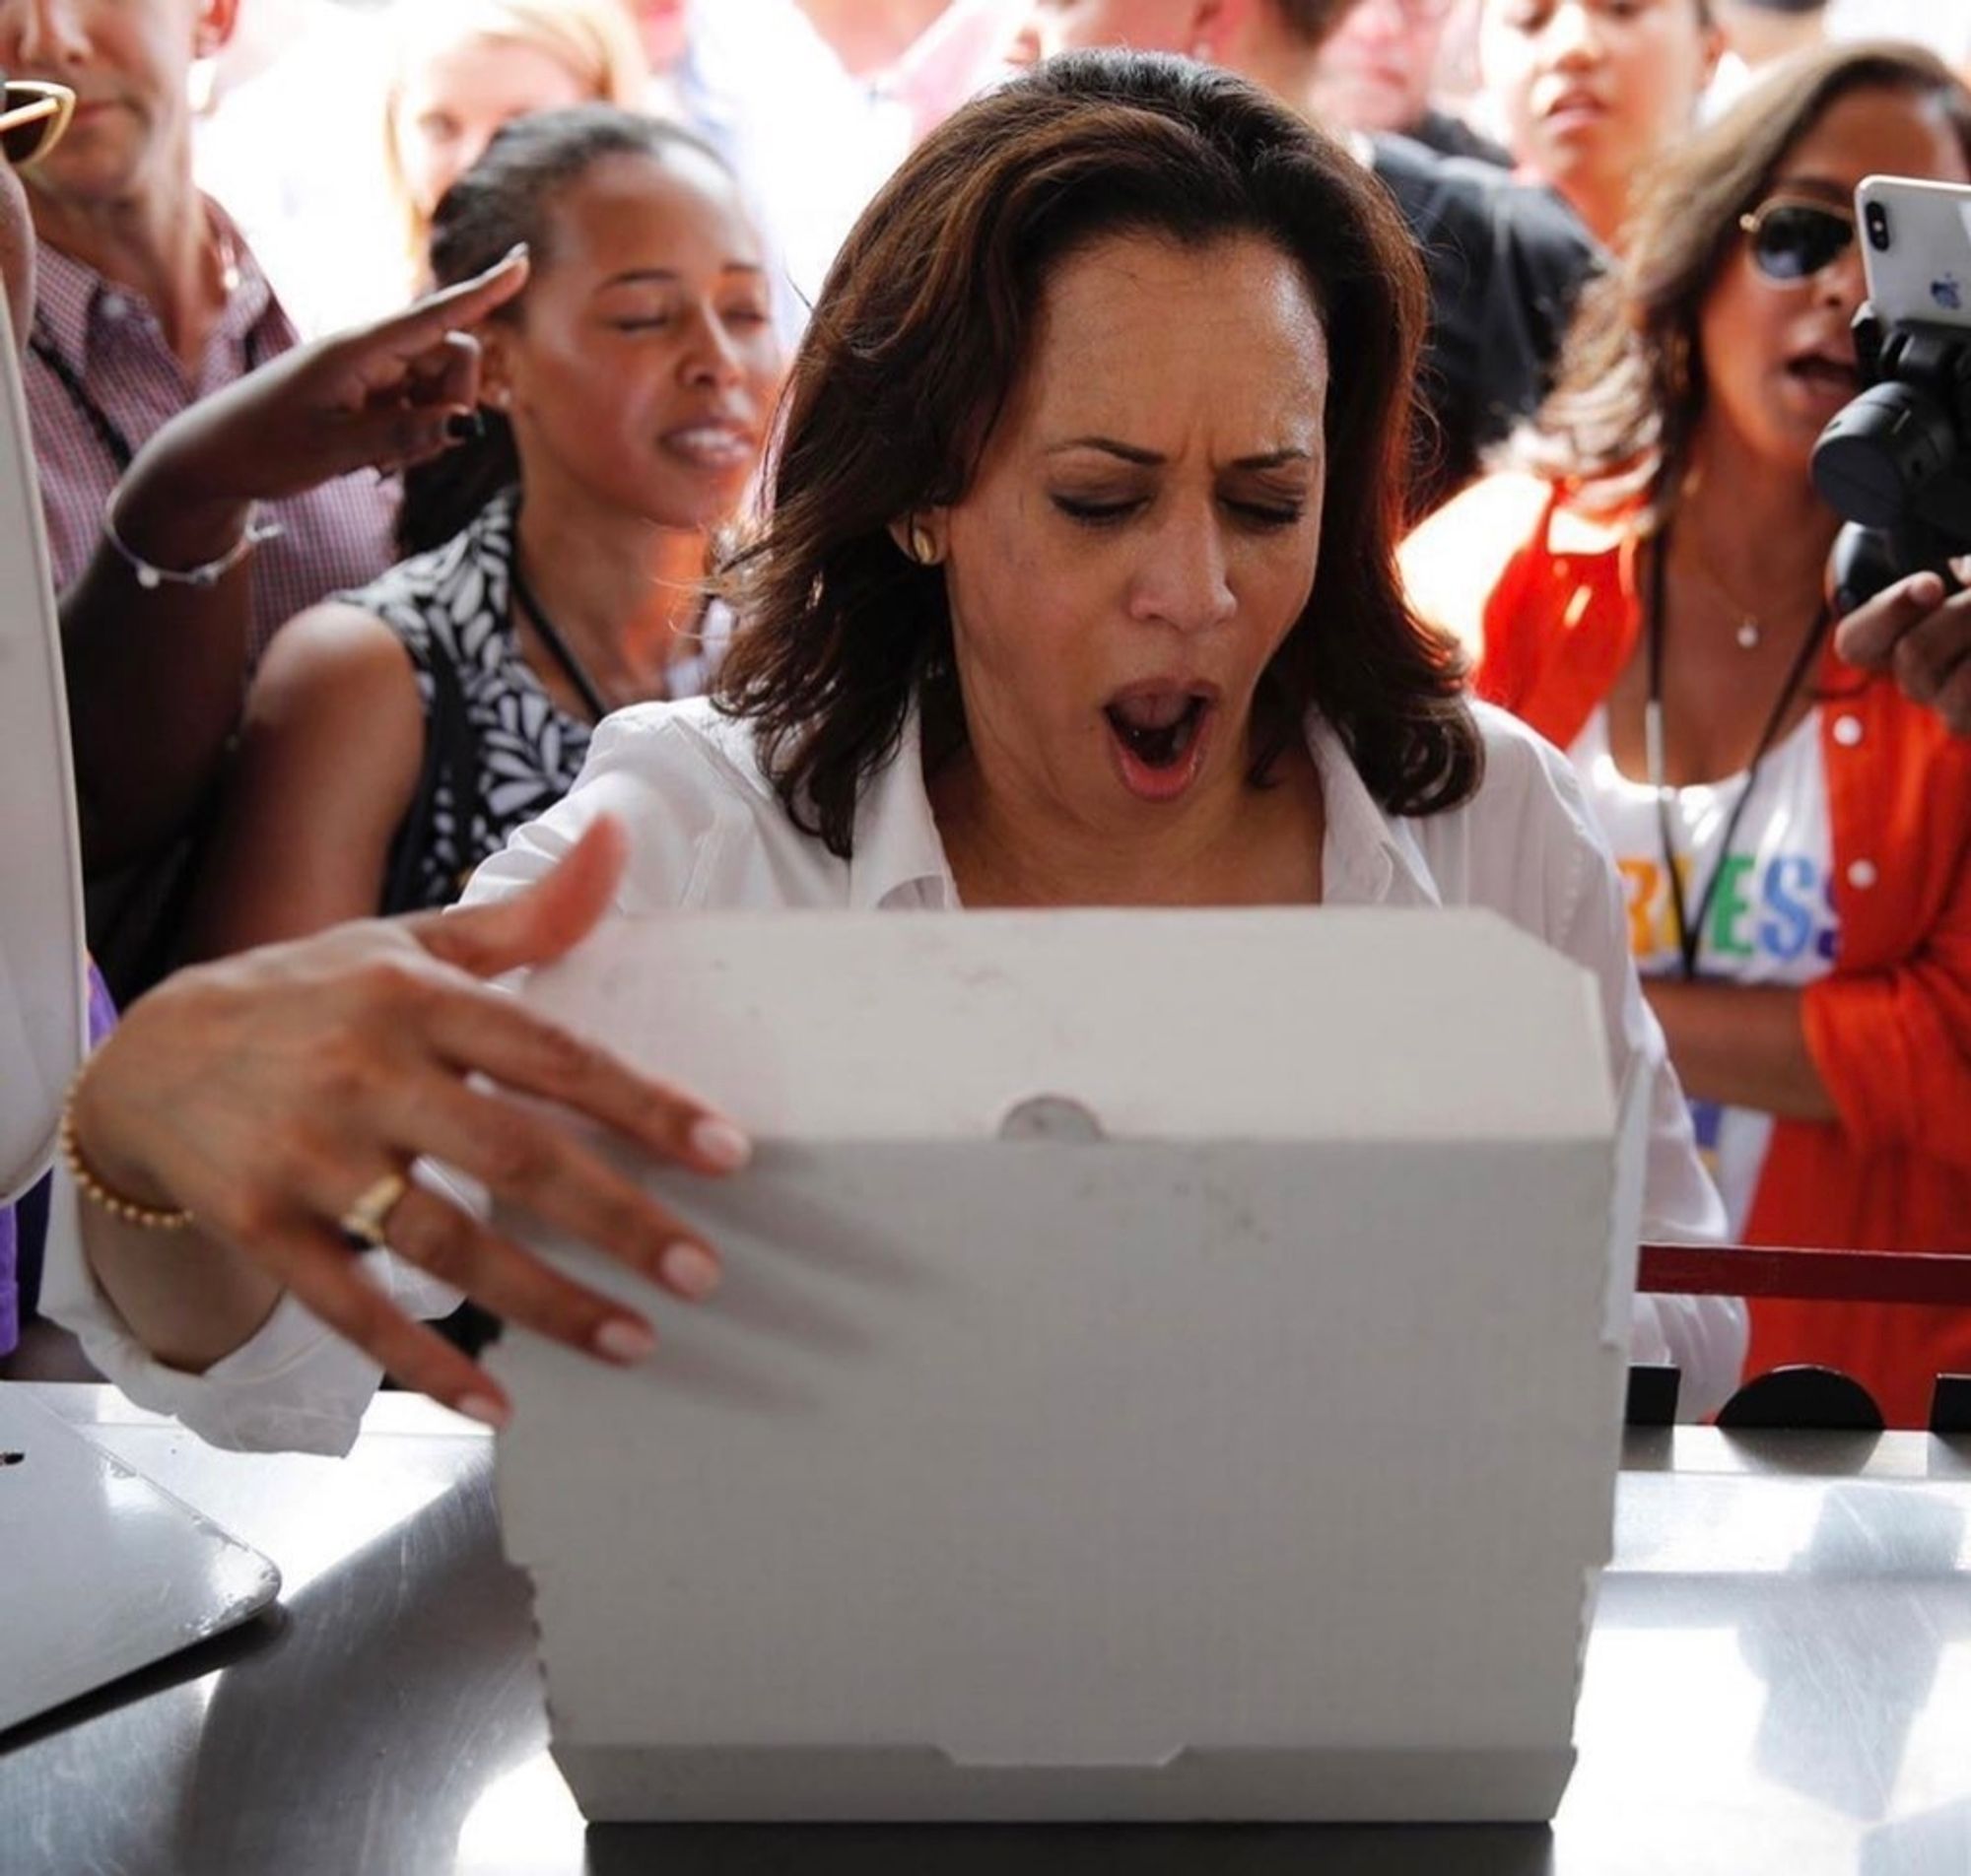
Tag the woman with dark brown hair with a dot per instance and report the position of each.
(1795, 835)
(1078, 587)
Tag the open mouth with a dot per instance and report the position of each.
(714, 447)
(1571, 109)
(1825, 374)
(1159, 739)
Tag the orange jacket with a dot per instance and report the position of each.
(1547, 601)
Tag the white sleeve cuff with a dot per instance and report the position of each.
(293, 1385)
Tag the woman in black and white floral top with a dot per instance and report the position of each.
(396, 735)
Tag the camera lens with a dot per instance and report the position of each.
(1879, 453)
(1877, 219)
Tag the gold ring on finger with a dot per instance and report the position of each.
(366, 1222)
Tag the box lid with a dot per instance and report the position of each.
(781, 1018)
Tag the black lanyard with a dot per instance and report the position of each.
(116, 444)
(563, 651)
(1689, 930)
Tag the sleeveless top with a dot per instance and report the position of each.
(499, 749)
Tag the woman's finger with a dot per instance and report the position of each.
(455, 376)
(1867, 636)
(424, 324)
(537, 925)
(490, 1034)
(1953, 698)
(524, 1159)
(437, 1236)
(314, 1264)
(1927, 652)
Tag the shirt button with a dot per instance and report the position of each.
(1862, 875)
(1846, 731)
(115, 306)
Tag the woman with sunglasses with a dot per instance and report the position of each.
(1795, 835)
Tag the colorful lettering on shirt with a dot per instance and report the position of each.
(1772, 912)
(1788, 929)
(1640, 881)
(1729, 905)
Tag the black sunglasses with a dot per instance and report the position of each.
(32, 117)
(1793, 240)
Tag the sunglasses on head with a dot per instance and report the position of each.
(32, 117)
(1793, 240)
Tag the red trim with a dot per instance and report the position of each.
(1841, 1276)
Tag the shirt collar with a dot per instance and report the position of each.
(65, 295)
(898, 849)
(69, 294)
(1369, 857)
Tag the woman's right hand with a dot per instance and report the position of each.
(266, 1093)
(1919, 632)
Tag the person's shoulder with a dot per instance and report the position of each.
(707, 827)
(1474, 199)
(690, 746)
(1523, 769)
(336, 677)
(1454, 559)
(1452, 136)
(1524, 843)
(335, 649)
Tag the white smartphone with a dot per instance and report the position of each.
(1916, 249)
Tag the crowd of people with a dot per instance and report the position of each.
(1003, 453)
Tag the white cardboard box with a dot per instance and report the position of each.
(1170, 1366)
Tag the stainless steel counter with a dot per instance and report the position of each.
(1779, 1680)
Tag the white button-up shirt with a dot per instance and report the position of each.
(708, 833)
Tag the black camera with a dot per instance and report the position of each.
(1896, 462)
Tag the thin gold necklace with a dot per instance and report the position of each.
(1751, 631)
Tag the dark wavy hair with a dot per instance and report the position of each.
(917, 341)
(510, 195)
(1630, 394)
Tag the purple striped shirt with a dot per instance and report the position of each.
(337, 536)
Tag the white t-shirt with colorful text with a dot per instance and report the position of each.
(1771, 917)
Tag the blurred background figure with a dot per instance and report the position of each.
(814, 103)
(556, 564)
(463, 68)
(1757, 32)
(1591, 93)
(278, 138)
(1945, 26)
(1506, 259)
(1379, 72)
(663, 27)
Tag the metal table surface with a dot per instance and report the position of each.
(1779, 1680)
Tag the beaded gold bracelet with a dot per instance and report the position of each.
(147, 1217)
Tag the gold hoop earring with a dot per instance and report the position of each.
(924, 545)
